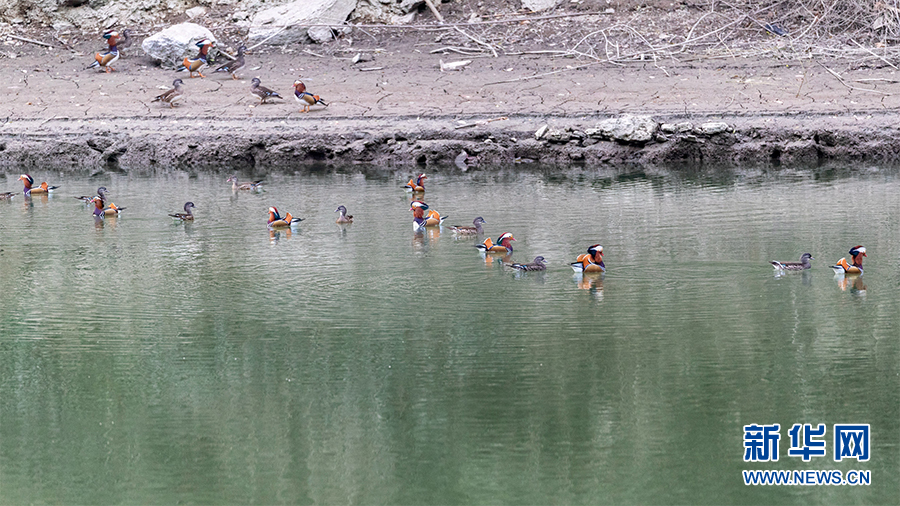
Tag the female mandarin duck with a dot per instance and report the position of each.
(466, 230)
(343, 218)
(101, 192)
(856, 253)
(30, 190)
(278, 221)
(125, 41)
(802, 265)
(197, 64)
(504, 244)
(233, 66)
(592, 261)
(173, 95)
(304, 97)
(537, 265)
(99, 209)
(252, 185)
(7, 195)
(187, 215)
(417, 185)
(261, 92)
(106, 59)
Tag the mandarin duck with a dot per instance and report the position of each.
(278, 221)
(105, 60)
(197, 64)
(111, 211)
(418, 208)
(187, 215)
(503, 245)
(101, 192)
(7, 195)
(252, 185)
(466, 230)
(416, 185)
(235, 65)
(592, 261)
(261, 92)
(30, 190)
(434, 218)
(343, 218)
(856, 253)
(304, 97)
(172, 96)
(537, 265)
(802, 265)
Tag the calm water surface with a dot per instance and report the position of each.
(143, 361)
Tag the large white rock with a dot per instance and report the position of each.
(290, 21)
(625, 128)
(539, 5)
(171, 45)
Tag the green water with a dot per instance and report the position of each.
(148, 362)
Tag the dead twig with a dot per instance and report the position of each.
(434, 11)
(30, 41)
(481, 122)
(477, 41)
(841, 80)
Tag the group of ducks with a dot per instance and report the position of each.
(116, 42)
(590, 262)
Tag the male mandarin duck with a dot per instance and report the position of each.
(101, 192)
(30, 190)
(106, 59)
(233, 66)
(434, 218)
(307, 99)
(537, 265)
(173, 95)
(251, 185)
(187, 215)
(802, 265)
(7, 195)
(418, 208)
(261, 92)
(343, 218)
(99, 209)
(856, 253)
(466, 230)
(417, 185)
(504, 244)
(196, 64)
(592, 261)
(278, 221)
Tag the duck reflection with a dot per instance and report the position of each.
(418, 241)
(851, 281)
(593, 282)
(276, 234)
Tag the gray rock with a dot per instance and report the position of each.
(556, 135)
(712, 128)
(287, 23)
(195, 12)
(539, 5)
(672, 128)
(541, 131)
(625, 128)
(171, 45)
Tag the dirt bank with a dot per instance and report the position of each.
(395, 106)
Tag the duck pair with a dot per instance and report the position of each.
(300, 94)
(842, 267)
(420, 219)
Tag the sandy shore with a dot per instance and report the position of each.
(407, 111)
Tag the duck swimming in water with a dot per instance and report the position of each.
(252, 185)
(537, 265)
(278, 221)
(418, 208)
(476, 229)
(856, 254)
(503, 245)
(592, 261)
(802, 265)
(416, 185)
(343, 218)
(187, 215)
(31, 190)
(100, 210)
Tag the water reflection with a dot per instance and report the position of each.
(852, 281)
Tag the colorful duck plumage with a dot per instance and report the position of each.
(105, 60)
(197, 64)
(592, 261)
(856, 254)
(187, 215)
(233, 66)
(416, 185)
(537, 265)
(261, 92)
(30, 189)
(802, 265)
(307, 99)
(418, 208)
(476, 229)
(101, 210)
(173, 95)
(278, 221)
(343, 218)
(503, 245)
